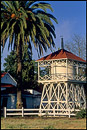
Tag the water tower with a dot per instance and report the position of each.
(62, 74)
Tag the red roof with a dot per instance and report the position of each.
(61, 54)
(3, 74)
(7, 85)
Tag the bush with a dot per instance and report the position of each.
(81, 114)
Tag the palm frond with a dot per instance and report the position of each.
(17, 4)
(10, 7)
(30, 3)
(50, 29)
(5, 6)
(42, 5)
(28, 21)
(24, 23)
(47, 14)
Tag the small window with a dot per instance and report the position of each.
(44, 71)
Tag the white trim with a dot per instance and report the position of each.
(60, 59)
(51, 112)
(11, 78)
(51, 59)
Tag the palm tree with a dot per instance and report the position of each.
(26, 23)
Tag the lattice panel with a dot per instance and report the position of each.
(48, 63)
(76, 77)
(61, 76)
(53, 96)
(62, 96)
(60, 62)
(62, 105)
(62, 92)
(76, 97)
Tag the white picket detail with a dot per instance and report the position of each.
(47, 112)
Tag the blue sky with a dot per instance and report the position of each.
(71, 16)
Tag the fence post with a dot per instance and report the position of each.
(22, 112)
(69, 112)
(39, 112)
(4, 112)
(54, 111)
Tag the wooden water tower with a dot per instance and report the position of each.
(63, 77)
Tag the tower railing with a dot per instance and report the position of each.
(63, 76)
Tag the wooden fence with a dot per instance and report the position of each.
(43, 112)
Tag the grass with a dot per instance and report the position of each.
(29, 122)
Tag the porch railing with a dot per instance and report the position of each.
(62, 76)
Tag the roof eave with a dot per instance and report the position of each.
(61, 59)
(50, 59)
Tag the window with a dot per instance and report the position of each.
(45, 71)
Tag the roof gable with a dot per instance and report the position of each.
(61, 54)
(8, 79)
(3, 74)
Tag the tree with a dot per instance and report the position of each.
(77, 46)
(29, 69)
(11, 64)
(26, 23)
(27, 65)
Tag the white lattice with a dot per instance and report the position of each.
(67, 65)
(76, 97)
(53, 96)
(61, 76)
(62, 96)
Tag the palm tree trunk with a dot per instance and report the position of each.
(19, 76)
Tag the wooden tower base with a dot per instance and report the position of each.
(62, 95)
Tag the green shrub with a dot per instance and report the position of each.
(81, 114)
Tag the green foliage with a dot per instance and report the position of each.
(29, 67)
(11, 64)
(81, 114)
(29, 21)
(26, 23)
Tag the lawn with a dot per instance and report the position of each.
(42, 123)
